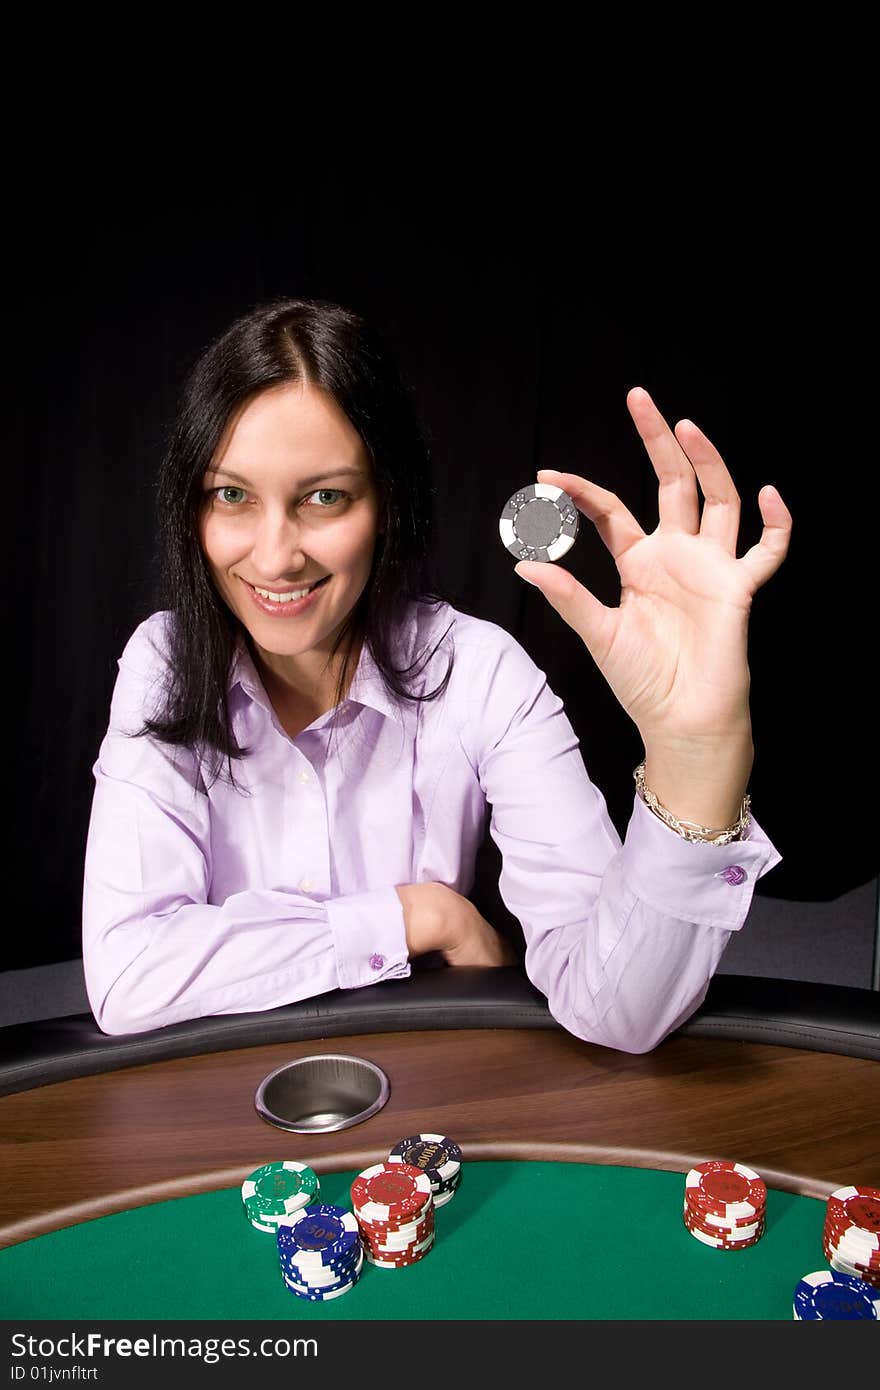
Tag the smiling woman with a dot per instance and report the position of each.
(293, 396)
(377, 729)
(278, 538)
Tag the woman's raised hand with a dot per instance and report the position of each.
(674, 651)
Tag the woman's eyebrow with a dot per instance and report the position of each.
(305, 482)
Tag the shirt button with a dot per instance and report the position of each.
(377, 961)
(306, 885)
(305, 777)
(734, 874)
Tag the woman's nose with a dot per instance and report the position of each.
(278, 546)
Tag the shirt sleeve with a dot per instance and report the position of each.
(622, 938)
(155, 951)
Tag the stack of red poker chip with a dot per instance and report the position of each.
(725, 1205)
(851, 1238)
(394, 1207)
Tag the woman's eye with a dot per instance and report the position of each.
(334, 493)
(328, 497)
(218, 491)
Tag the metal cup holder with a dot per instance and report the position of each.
(316, 1095)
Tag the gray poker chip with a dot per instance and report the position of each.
(539, 522)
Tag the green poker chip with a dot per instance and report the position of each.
(276, 1190)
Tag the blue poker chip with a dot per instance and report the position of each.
(828, 1295)
(310, 1272)
(324, 1283)
(321, 1234)
(319, 1275)
(539, 522)
(320, 1297)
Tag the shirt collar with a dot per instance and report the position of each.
(367, 685)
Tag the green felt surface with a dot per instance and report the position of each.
(518, 1240)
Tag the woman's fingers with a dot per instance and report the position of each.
(592, 621)
(613, 520)
(680, 460)
(764, 559)
(678, 503)
(721, 501)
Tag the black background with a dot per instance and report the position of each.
(522, 299)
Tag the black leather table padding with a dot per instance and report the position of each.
(788, 1013)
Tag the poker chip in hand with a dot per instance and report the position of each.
(539, 522)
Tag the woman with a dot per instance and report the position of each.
(374, 725)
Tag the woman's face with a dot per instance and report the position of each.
(290, 500)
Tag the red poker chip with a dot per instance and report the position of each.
(716, 1244)
(851, 1252)
(855, 1251)
(378, 1238)
(396, 1222)
(841, 1225)
(385, 1252)
(426, 1213)
(720, 1183)
(397, 1264)
(391, 1228)
(719, 1206)
(727, 1244)
(740, 1245)
(383, 1237)
(400, 1261)
(700, 1213)
(724, 1242)
(399, 1187)
(695, 1219)
(382, 1231)
(850, 1258)
(858, 1206)
(868, 1237)
(848, 1266)
(703, 1213)
(399, 1223)
(424, 1228)
(868, 1276)
(720, 1232)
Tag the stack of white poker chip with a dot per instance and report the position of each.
(438, 1156)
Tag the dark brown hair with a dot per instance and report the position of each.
(337, 351)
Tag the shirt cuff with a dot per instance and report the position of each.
(369, 935)
(707, 884)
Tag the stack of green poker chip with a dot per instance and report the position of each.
(275, 1191)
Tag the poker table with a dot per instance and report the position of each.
(122, 1158)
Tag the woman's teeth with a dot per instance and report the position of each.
(286, 598)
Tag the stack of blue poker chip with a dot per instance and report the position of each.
(828, 1294)
(320, 1252)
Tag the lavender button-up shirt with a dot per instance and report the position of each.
(203, 901)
